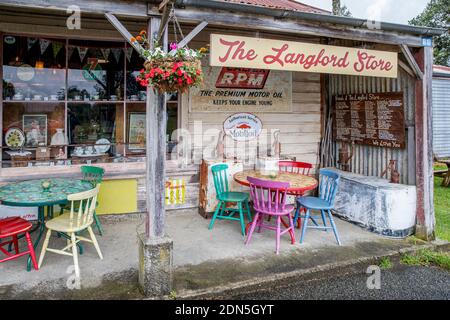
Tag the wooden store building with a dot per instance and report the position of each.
(318, 88)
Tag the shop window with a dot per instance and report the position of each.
(34, 94)
(90, 111)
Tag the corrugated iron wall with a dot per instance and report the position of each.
(441, 117)
(370, 160)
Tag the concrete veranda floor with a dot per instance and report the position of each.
(203, 259)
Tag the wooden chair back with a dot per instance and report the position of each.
(328, 185)
(295, 167)
(92, 174)
(220, 176)
(82, 207)
(268, 196)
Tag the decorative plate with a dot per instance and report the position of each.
(104, 148)
(14, 138)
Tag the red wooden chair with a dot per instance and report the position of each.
(12, 227)
(303, 168)
(295, 167)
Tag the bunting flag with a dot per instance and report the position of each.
(116, 53)
(82, 51)
(129, 53)
(57, 46)
(105, 53)
(70, 50)
(31, 42)
(44, 44)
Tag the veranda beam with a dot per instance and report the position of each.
(424, 146)
(156, 147)
(411, 61)
(290, 26)
(123, 31)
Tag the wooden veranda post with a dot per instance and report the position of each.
(424, 146)
(156, 147)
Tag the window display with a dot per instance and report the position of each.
(73, 102)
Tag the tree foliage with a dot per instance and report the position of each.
(437, 15)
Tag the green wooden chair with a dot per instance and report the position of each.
(93, 175)
(225, 196)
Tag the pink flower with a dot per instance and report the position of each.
(173, 46)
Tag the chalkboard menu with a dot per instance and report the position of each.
(373, 119)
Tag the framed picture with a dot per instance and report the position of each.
(136, 131)
(35, 129)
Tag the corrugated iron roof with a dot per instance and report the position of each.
(438, 68)
(281, 5)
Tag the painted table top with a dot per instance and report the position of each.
(31, 194)
(298, 182)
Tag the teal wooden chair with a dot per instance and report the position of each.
(225, 196)
(94, 175)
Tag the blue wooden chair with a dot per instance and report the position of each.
(328, 186)
(224, 195)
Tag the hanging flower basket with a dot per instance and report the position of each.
(174, 71)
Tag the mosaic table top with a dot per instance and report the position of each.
(30, 193)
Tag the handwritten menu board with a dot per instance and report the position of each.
(373, 119)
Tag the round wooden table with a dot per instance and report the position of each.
(298, 183)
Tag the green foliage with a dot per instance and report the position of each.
(344, 11)
(427, 257)
(173, 295)
(442, 209)
(437, 15)
(385, 263)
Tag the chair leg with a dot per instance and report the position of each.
(297, 213)
(75, 254)
(98, 224)
(278, 235)
(261, 220)
(305, 225)
(322, 212)
(215, 215)
(249, 214)
(241, 218)
(16, 244)
(94, 240)
(334, 227)
(44, 247)
(291, 232)
(252, 228)
(31, 249)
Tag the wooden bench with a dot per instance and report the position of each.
(440, 173)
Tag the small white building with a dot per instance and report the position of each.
(441, 111)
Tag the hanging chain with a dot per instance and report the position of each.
(176, 24)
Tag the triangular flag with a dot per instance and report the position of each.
(57, 46)
(70, 50)
(105, 53)
(44, 44)
(117, 52)
(31, 42)
(82, 51)
(129, 53)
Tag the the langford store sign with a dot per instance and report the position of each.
(242, 126)
(244, 52)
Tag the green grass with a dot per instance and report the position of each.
(385, 263)
(442, 209)
(427, 257)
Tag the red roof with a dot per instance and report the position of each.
(281, 4)
(444, 69)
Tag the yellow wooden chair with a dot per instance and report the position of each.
(80, 217)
